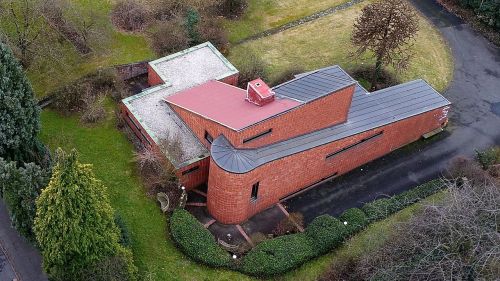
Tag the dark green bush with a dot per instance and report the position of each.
(278, 255)
(356, 220)
(325, 233)
(488, 157)
(380, 208)
(420, 192)
(488, 11)
(124, 233)
(196, 241)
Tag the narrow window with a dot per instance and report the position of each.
(208, 137)
(190, 170)
(354, 144)
(255, 191)
(258, 136)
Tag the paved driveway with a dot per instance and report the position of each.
(475, 124)
(22, 256)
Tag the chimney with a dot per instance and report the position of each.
(259, 92)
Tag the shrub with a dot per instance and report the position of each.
(488, 157)
(191, 23)
(211, 29)
(380, 208)
(461, 167)
(232, 9)
(170, 37)
(129, 15)
(94, 112)
(288, 224)
(118, 267)
(356, 220)
(251, 67)
(277, 256)
(196, 241)
(20, 187)
(420, 192)
(288, 74)
(325, 233)
(124, 238)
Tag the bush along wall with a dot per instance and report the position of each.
(196, 241)
(282, 254)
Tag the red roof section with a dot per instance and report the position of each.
(225, 104)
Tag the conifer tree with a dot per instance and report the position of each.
(74, 223)
(19, 112)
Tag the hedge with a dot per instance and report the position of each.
(325, 233)
(356, 220)
(382, 208)
(196, 241)
(278, 255)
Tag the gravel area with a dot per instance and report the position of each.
(181, 71)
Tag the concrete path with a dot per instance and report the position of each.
(475, 124)
(17, 256)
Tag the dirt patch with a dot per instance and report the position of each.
(364, 75)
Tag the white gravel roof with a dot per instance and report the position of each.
(180, 71)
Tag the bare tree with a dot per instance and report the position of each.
(21, 24)
(387, 29)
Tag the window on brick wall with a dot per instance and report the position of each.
(208, 137)
(255, 191)
(258, 136)
(190, 170)
(372, 137)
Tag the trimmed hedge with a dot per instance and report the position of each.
(356, 220)
(382, 208)
(196, 241)
(278, 255)
(325, 233)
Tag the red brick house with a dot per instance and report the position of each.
(261, 145)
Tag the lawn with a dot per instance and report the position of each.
(61, 64)
(326, 42)
(111, 154)
(265, 14)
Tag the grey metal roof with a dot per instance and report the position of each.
(312, 85)
(368, 111)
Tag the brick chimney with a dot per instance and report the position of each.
(259, 92)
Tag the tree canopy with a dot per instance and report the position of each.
(74, 223)
(386, 29)
(19, 112)
(20, 186)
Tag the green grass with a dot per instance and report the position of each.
(111, 154)
(265, 14)
(62, 64)
(326, 42)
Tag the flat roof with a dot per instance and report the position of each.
(179, 71)
(368, 111)
(226, 105)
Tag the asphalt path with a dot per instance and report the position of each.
(18, 258)
(474, 124)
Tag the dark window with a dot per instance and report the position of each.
(208, 137)
(354, 144)
(255, 190)
(190, 170)
(258, 136)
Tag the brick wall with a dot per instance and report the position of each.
(229, 194)
(318, 114)
(153, 77)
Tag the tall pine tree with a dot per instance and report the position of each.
(74, 223)
(19, 112)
